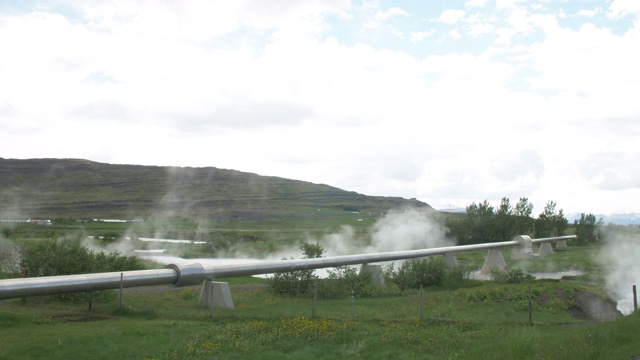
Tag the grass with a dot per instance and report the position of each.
(465, 320)
(571, 258)
(477, 320)
(249, 237)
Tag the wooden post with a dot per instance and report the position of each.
(421, 302)
(90, 299)
(121, 286)
(353, 301)
(530, 318)
(635, 299)
(315, 297)
(211, 298)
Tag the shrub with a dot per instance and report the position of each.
(64, 257)
(346, 281)
(515, 276)
(297, 282)
(428, 271)
(458, 273)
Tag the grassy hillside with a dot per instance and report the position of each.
(467, 320)
(79, 188)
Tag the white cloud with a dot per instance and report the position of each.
(476, 3)
(382, 16)
(588, 13)
(455, 34)
(589, 61)
(538, 7)
(481, 30)
(508, 4)
(417, 37)
(519, 21)
(301, 90)
(451, 17)
(620, 8)
(613, 170)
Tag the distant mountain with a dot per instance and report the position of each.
(618, 219)
(453, 209)
(80, 188)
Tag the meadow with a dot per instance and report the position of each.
(470, 319)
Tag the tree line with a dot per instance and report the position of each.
(485, 223)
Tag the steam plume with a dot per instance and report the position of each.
(619, 258)
(399, 229)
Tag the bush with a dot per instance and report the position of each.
(427, 271)
(347, 281)
(458, 273)
(297, 282)
(430, 271)
(291, 283)
(515, 276)
(53, 258)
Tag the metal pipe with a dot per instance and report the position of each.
(556, 238)
(51, 285)
(192, 274)
(219, 271)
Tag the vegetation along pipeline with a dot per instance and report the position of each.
(195, 273)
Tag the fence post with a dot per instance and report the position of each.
(530, 318)
(353, 300)
(421, 302)
(210, 290)
(635, 299)
(315, 297)
(121, 286)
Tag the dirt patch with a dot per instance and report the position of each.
(590, 306)
(79, 317)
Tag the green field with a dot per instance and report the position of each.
(477, 321)
(465, 320)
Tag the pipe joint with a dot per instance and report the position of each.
(188, 274)
(525, 242)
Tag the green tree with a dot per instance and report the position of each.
(550, 222)
(297, 282)
(309, 251)
(587, 229)
(480, 220)
(523, 222)
(504, 220)
(560, 223)
(459, 229)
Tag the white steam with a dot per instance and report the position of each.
(398, 230)
(408, 229)
(9, 256)
(619, 258)
(122, 246)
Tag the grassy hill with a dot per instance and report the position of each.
(80, 188)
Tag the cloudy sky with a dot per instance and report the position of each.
(449, 102)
